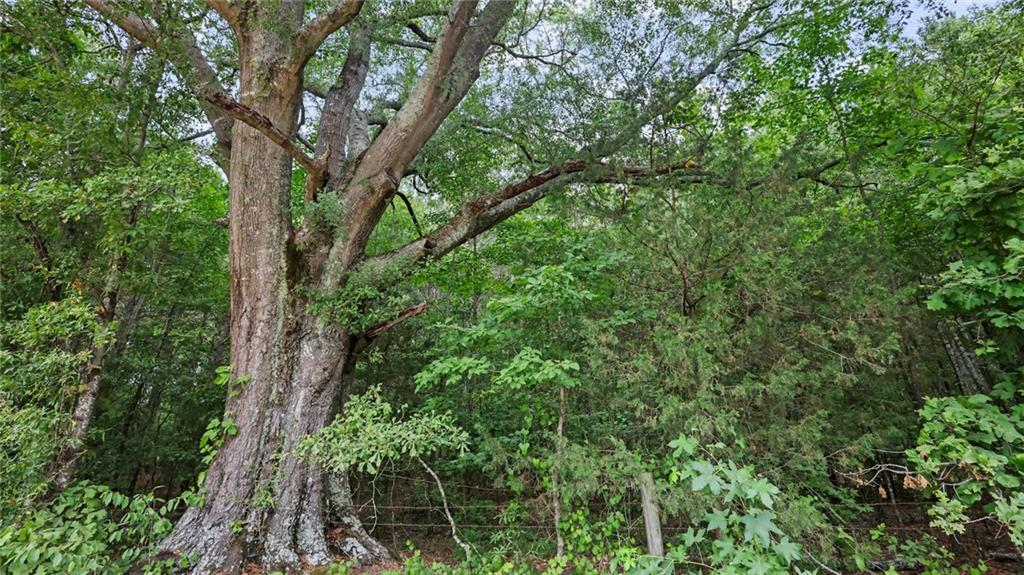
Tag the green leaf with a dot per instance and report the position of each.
(760, 526)
(787, 550)
(717, 520)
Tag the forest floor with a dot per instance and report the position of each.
(976, 546)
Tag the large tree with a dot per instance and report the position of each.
(291, 366)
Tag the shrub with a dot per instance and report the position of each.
(88, 529)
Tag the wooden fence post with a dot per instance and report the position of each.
(652, 523)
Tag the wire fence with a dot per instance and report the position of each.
(399, 517)
(482, 511)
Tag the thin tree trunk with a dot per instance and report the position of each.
(556, 493)
(62, 468)
(66, 460)
(969, 376)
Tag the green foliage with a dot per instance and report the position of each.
(366, 299)
(88, 529)
(926, 553)
(967, 173)
(104, 207)
(44, 350)
(975, 196)
(41, 357)
(738, 532)
(369, 432)
(971, 450)
(848, 193)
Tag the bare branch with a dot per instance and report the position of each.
(260, 122)
(447, 513)
(196, 135)
(394, 41)
(415, 29)
(542, 58)
(376, 331)
(490, 131)
(412, 213)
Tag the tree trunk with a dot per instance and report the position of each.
(261, 501)
(969, 375)
(357, 543)
(556, 492)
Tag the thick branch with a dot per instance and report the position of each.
(313, 34)
(136, 26)
(339, 107)
(453, 67)
(482, 213)
(486, 211)
(227, 11)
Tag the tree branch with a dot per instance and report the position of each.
(486, 211)
(447, 513)
(395, 41)
(313, 34)
(240, 111)
(412, 213)
(415, 29)
(135, 25)
(453, 67)
(483, 212)
(339, 107)
(182, 50)
(363, 341)
(227, 11)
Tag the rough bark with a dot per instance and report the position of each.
(62, 468)
(256, 490)
(356, 543)
(969, 375)
(262, 501)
